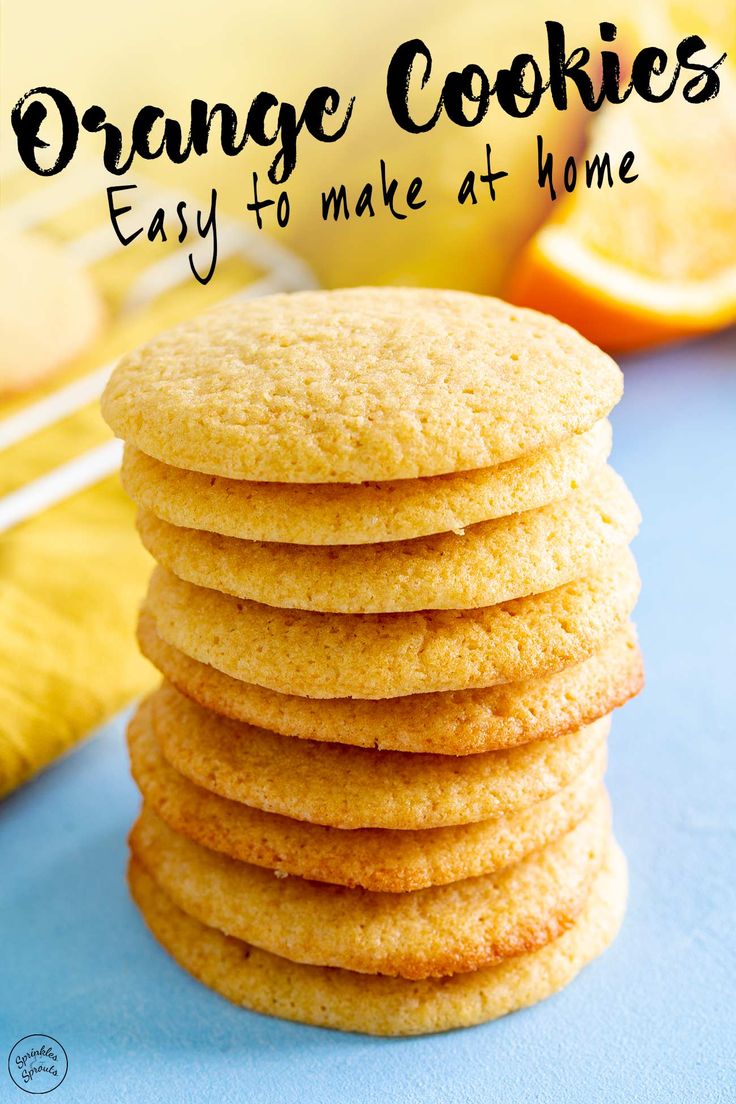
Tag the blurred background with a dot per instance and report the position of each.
(632, 267)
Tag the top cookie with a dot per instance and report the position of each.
(358, 384)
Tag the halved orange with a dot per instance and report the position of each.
(653, 260)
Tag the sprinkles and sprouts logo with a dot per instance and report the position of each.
(38, 1064)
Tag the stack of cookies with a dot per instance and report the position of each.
(392, 615)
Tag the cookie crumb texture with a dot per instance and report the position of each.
(351, 787)
(375, 1004)
(454, 722)
(363, 513)
(330, 655)
(358, 385)
(429, 932)
(492, 562)
(382, 859)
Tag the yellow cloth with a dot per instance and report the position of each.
(71, 578)
(71, 581)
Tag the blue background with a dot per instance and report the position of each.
(652, 1021)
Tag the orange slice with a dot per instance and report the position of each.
(654, 260)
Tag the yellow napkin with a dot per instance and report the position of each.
(71, 578)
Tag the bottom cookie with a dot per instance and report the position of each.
(373, 1004)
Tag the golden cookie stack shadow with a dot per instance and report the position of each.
(392, 614)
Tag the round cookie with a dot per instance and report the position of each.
(350, 787)
(494, 561)
(374, 1004)
(430, 932)
(358, 384)
(50, 310)
(324, 655)
(384, 860)
(460, 722)
(363, 513)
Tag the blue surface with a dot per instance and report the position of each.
(652, 1021)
